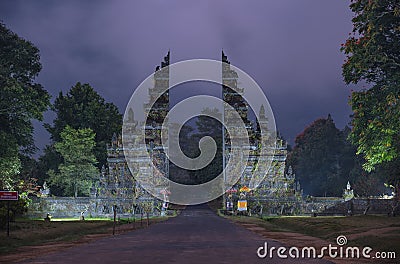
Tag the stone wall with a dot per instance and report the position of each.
(70, 207)
(295, 206)
(363, 205)
(323, 206)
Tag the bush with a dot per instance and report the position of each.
(17, 208)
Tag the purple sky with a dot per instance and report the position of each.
(291, 48)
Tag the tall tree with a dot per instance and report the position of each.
(83, 107)
(78, 170)
(10, 163)
(373, 56)
(208, 126)
(21, 100)
(187, 145)
(189, 138)
(322, 158)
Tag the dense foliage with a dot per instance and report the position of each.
(77, 172)
(82, 107)
(322, 158)
(21, 100)
(208, 126)
(189, 138)
(373, 56)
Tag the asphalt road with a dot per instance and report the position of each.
(197, 235)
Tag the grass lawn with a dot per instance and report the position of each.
(24, 232)
(379, 232)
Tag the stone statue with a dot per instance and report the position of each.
(348, 193)
(45, 190)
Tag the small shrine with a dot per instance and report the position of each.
(348, 193)
(45, 190)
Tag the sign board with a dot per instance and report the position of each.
(242, 205)
(8, 196)
(244, 189)
(232, 190)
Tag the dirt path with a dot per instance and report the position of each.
(382, 232)
(300, 240)
(197, 235)
(30, 252)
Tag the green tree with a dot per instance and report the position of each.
(208, 126)
(49, 161)
(21, 100)
(147, 208)
(373, 47)
(373, 56)
(322, 158)
(189, 138)
(83, 107)
(77, 172)
(178, 174)
(10, 163)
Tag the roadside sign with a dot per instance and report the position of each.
(229, 206)
(245, 189)
(242, 205)
(232, 190)
(8, 196)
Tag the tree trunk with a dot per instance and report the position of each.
(134, 218)
(282, 207)
(396, 199)
(75, 188)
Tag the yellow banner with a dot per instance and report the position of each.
(242, 205)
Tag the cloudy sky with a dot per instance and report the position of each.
(290, 47)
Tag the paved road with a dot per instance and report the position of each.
(197, 235)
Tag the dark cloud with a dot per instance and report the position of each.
(291, 48)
